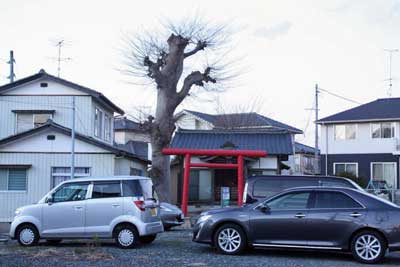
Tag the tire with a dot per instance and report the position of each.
(27, 235)
(147, 239)
(53, 242)
(126, 236)
(368, 247)
(167, 228)
(230, 239)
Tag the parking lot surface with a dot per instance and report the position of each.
(173, 248)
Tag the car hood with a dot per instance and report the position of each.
(221, 210)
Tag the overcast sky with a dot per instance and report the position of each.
(286, 47)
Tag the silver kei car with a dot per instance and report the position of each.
(123, 208)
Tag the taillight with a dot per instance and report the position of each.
(140, 204)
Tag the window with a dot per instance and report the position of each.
(334, 200)
(71, 192)
(142, 188)
(267, 188)
(98, 122)
(106, 189)
(290, 201)
(107, 127)
(135, 172)
(384, 171)
(382, 130)
(28, 121)
(61, 174)
(13, 179)
(345, 167)
(345, 131)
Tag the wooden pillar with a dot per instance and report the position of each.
(240, 180)
(186, 177)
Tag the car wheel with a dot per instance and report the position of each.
(368, 247)
(27, 235)
(230, 239)
(126, 236)
(147, 239)
(53, 242)
(167, 228)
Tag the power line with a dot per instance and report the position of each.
(339, 96)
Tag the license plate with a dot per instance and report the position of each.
(182, 216)
(153, 212)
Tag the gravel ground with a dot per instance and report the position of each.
(173, 248)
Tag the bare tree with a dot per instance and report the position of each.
(185, 56)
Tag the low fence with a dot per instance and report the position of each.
(392, 195)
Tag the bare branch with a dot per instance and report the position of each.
(195, 78)
(200, 46)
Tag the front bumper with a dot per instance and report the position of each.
(202, 233)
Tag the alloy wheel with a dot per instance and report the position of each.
(368, 247)
(229, 240)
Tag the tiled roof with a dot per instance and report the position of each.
(272, 141)
(301, 148)
(44, 75)
(122, 123)
(135, 147)
(242, 120)
(378, 110)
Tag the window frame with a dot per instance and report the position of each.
(93, 184)
(345, 131)
(314, 198)
(309, 201)
(345, 163)
(98, 122)
(88, 191)
(78, 175)
(107, 128)
(383, 163)
(8, 182)
(33, 114)
(393, 126)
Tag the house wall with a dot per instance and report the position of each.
(124, 165)
(363, 163)
(39, 175)
(190, 122)
(362, 144)
(62, 114)
(122, 137)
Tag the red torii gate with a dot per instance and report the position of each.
(212, 152)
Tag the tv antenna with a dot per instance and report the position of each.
(60, 44)
(390, 51)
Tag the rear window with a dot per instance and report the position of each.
(138, 188)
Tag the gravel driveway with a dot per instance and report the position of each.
(173, 248)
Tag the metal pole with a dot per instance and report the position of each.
(185, 191)
(240, 180)
(11, 62)
(316, 126)
(73, 139)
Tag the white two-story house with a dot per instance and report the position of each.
(35, 138)
(364, 141)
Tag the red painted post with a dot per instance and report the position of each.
(185, 191)
(240, 180)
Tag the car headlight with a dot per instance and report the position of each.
(203, 218)
(18, 211)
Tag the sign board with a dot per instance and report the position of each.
(225, 197)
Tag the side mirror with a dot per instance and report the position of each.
(264, 207)
(49, 200)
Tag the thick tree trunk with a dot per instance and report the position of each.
(161, 132)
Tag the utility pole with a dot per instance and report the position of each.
(73, 139)
(11, 62)
(316, 125)
(390, 51)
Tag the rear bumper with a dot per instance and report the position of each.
(152, 228)
(172, 220)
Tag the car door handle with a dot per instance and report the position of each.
(78, 207)
(299, 215)
(355, 214)
(116, 205)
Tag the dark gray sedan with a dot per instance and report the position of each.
(339, 219)
(171, 215)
